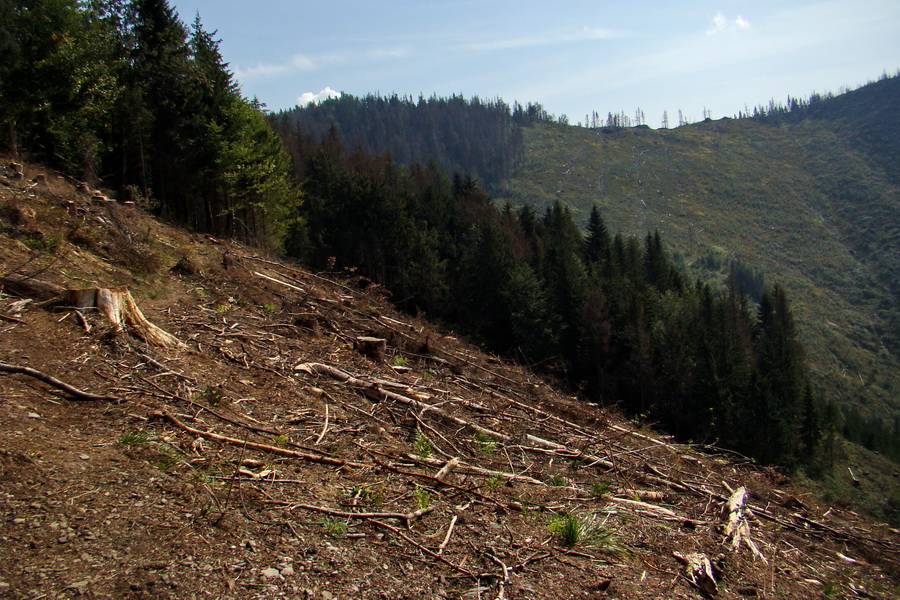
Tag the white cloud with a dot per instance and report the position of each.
(311, 98)
(722, 24)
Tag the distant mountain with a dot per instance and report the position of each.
(805, 195)
(482, 139)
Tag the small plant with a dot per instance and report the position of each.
(557, 480)
(280, 440)
(422, 445)
(134, 437)
(50, 244)
(269, 309)
(493, 482)
(203, 293)
(486, 444)
(422, 498)
(222, 309)
(211, 395)
(428, 373)
(334, 526)
(601, 488)
(588, 531)
(360, 492)
(171, 456)
(399, 361)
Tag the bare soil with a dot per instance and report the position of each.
(246, 465)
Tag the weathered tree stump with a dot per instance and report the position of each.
(119, 307)
(372, 347)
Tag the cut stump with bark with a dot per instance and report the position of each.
(119, 307)
(737, 525)
(699, 571)
(372, 347)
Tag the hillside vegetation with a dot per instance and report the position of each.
(807, 198)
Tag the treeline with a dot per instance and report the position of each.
(480, 137)
(125, 92)
(610, 314)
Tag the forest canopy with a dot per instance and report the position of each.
(127, 93)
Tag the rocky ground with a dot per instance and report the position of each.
(277, 452)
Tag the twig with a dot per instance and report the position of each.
(324, 427)
(405, 517)
(422, 548)
(446, 541)
(73, 391)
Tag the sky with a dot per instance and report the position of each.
(572, 56)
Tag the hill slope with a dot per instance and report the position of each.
(269, 456)
(809, 199)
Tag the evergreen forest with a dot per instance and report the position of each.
(124, 93)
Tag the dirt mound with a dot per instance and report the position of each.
(285, 452)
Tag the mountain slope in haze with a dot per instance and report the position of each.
(809, 199)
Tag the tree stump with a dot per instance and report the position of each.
(372, 347)
(699, 571)
(119, 307)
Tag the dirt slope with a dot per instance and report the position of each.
(271, 458)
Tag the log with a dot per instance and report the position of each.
(119, 308)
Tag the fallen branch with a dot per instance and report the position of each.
(425, 550)
(405, 517)
(449, 533)
(72, 391)
(324, 460)
(373, 390)
(324, 427)
(645, 506)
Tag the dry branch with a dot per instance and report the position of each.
(405, 517)
(71, 390)
(324, 460)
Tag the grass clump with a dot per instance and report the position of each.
(134, 437)
(586, 531)
(334, 526)
(485, 443)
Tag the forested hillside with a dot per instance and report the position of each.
(803, 194)
(482, 139)
(796, 196)
(128, 94)
(572, 276)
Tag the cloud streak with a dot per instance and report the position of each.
(305, 63)
(547, 39)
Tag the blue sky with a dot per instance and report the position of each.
(572, 56)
